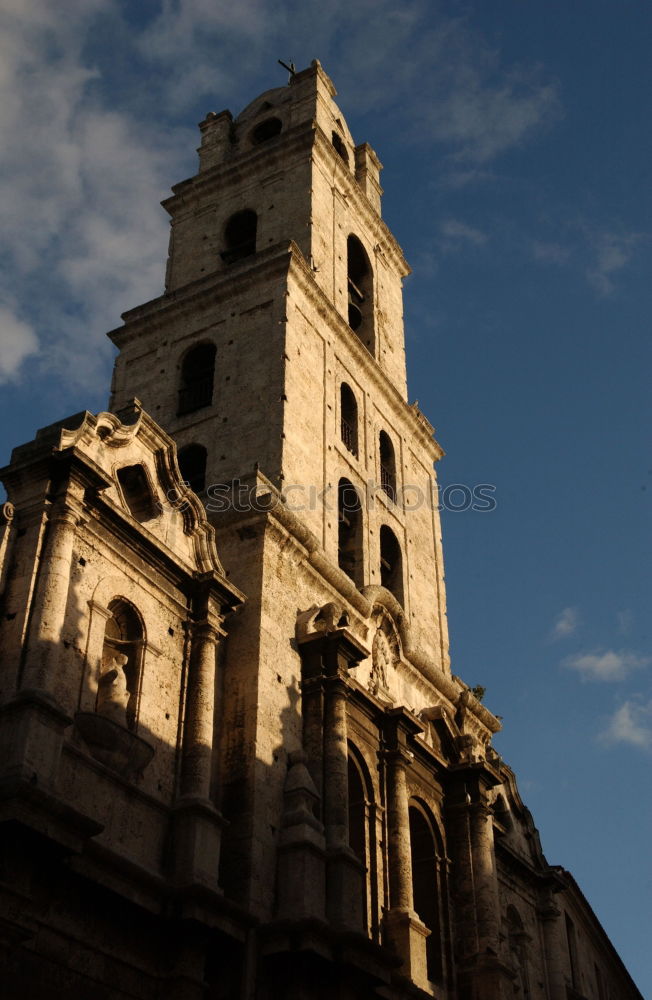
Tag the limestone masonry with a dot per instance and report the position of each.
(234, 761)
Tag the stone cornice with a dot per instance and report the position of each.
(211, 183)
(201, 294)
(277, 260)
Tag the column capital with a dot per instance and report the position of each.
(331, 654)
(67, 510)
(206, 629)
(398, 727)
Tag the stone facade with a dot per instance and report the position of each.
(254, 775)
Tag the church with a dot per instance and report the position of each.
(235, 762)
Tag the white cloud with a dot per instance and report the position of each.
(459, 232)
(554, 253)
(607, 665)
(565, 624)
(601, 254)
(457, 88)
(632, 724)
(610, 252)
(88, 150)
(78, 196)
(17, 342)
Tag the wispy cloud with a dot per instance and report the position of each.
(457, 233)
(79, 196)
(553, 253)
(625, 621)
(565, 624)
(600, 254)
(459, 90)
(610, 253)
(631, 724)
(606, 665)
(17, 341)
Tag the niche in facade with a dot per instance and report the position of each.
(119, 680)
(109, 732)
(137, 492)
(518, 939)
(339, 147)
(240, 236)
(360, 292)
(266, 130)
(391, 563)
(197, 376)
(349, 524)
(192, 465)
(349, 419)
(387, 465)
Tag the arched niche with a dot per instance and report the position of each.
(360, 285)
(349, 531)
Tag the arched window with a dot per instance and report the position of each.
(119, 681)
(358, 826)
(349, 538)
(137, 492)
(349, 419)
(425, 888)
(391, 563)
(339, 147)
(240, 236)
(192, 465)
(360, 292)
(197, 374)
(266, 130)
(387, 465)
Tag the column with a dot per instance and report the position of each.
(555, 947)
(327, 655)
(51, 599)
(476, 899)
(336, 776)
(200, 700)
(404, 931)
(398, 833)
(32, 723)
(198, 825)
(345, 874)
(485, 881)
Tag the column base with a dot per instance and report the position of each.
(197, 837)
(485, 977)
(345, 875)
(32, 725)
(406, 934)
(301, 881)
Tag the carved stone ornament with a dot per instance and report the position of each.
(385, 652)
(325, 619)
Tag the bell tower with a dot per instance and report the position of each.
(256, 769)
(277, 350)
(275, 358)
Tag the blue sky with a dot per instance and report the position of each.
(516, 141)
